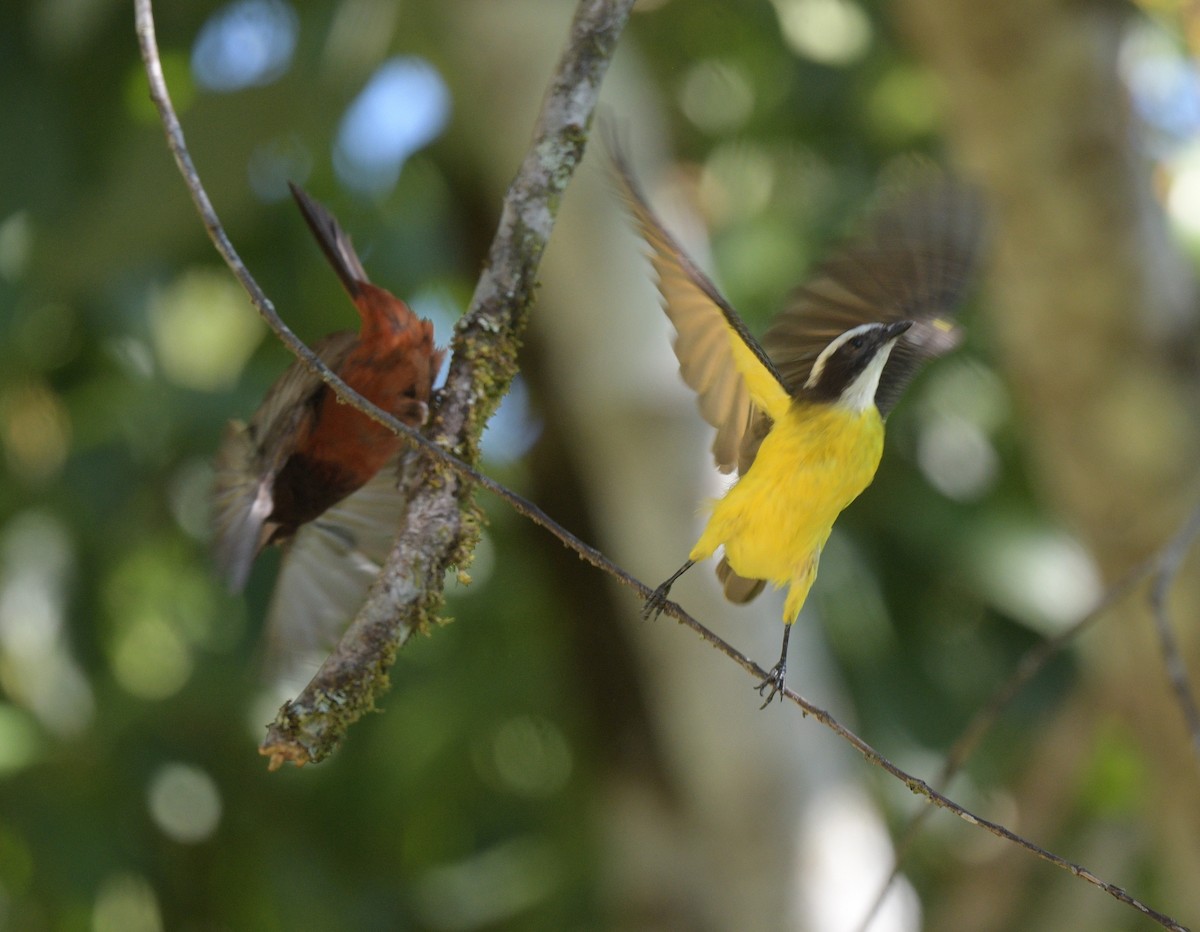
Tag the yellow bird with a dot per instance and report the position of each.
(801, 415)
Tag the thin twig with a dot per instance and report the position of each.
(495, 297)
(1168, 565)
(216, 232)
(1030, 664)
(1162, 568)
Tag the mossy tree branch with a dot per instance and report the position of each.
(441, 525)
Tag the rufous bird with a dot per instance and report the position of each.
(304, 453)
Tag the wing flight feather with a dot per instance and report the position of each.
(718, 357)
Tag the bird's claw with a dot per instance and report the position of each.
(656, 602)
(774, 680)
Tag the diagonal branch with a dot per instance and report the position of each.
(161, 97)
(1168, 564)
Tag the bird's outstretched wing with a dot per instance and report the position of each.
(914, 260)
(327, 569)
(718, 357)
(251, 456)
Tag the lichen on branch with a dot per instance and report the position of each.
(442, 524)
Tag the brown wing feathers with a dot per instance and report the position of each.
(702, 319)
(913, 261)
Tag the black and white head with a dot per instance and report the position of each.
(847, 371)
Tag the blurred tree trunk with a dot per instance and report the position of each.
(1090, 307)
(722, 848)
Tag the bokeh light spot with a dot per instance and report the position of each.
(760, 259)
(1040, 577)
(403, 107)
(489, 887)
(245, 44)
(957, 458)
(161, 604)
(135, 358)
(35, 430)
(126, 903)
(965, 388)
(845, 848)
(1183, 194)
(829, 32)
(904, 104)
(36, 668)
(150, 660)
(16, 244)
(531, 756)
(1163, 82)
(962, 405)
(717, 96)
(737, 183)
(203, 330)
(184, 802)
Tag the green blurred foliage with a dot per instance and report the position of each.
(129, 676)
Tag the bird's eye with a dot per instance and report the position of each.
(856, 342)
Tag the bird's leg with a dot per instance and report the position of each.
(658, 598)
(778, 672)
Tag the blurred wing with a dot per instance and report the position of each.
(241, 504)
(718, 357)
(328, 568)
(914, 261)
(250, 457)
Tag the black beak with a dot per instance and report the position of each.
(894, 329)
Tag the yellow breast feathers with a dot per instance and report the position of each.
(774, 522)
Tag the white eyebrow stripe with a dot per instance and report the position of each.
(819, 364)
